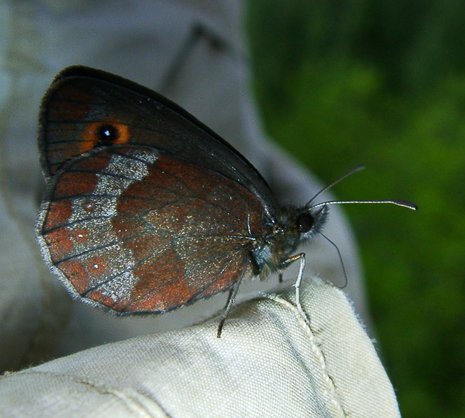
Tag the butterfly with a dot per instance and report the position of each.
(147, 209)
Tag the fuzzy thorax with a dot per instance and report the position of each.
(272, 251)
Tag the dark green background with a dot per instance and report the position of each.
(383, 82)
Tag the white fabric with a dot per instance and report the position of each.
(268, 363)
(191, 51)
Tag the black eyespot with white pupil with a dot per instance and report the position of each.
(305, 222)
(107, 133)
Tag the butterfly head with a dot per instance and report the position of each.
(294, 225)
(309, 221)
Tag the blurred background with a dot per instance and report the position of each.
(383, 83)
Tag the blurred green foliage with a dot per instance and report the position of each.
(383, 83)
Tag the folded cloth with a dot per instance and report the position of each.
(269, 362)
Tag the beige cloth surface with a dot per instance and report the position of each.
(268, 363)
(192, 52)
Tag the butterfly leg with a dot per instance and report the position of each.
(231, 298)
(298, 282)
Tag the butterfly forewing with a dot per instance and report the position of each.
(136, 230)
(84, 105)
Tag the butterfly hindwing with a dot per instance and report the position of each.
(136, 230)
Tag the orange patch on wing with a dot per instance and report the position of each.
(72, 184)
(57, 214)
(90, 134)
(59, 244)
(146, 247)
(161, 285)
(96, 266)
(96, 163)
(223, 282)
(169, 297)
(105, 300)
(76, 274)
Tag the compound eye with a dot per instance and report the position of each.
(305, 222)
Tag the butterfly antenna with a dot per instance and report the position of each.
(357, 168)
(340, 258)
(401, 203)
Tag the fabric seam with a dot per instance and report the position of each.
(131, 403)
(315, 348)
